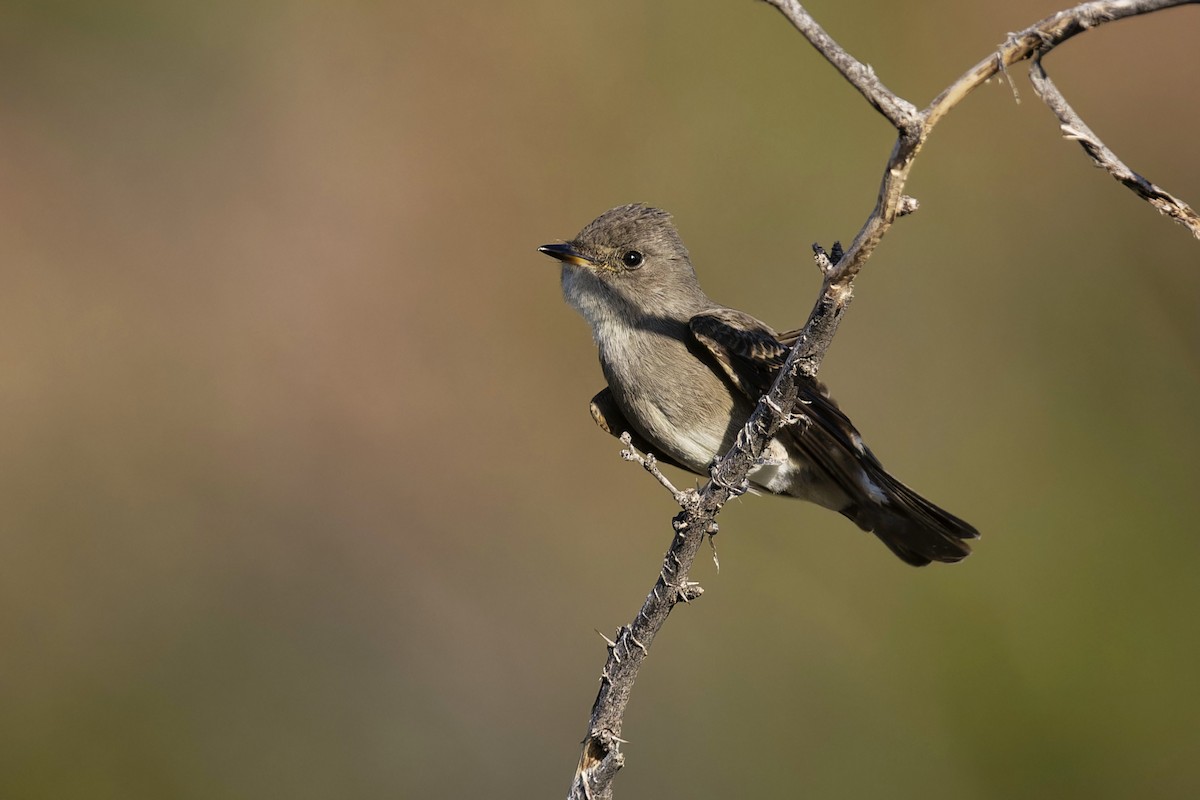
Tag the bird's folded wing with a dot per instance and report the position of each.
(751, 356)
(746, 349)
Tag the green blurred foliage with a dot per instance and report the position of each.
(300, 497)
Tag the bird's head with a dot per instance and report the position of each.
(630, 262)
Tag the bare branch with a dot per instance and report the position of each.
(1073, 127)
(1036, 40)
(601, 756)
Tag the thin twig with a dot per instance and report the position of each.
(650, 464)
(1073, 127)
(896, 109)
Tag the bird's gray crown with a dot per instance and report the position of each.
(633, 226)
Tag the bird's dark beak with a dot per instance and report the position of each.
(567, 253)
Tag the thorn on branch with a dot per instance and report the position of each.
(680, 523)
(770, 403)
(822, 259)
(827, 261)
(689, 591)
(1009, 44)
(600, 760)
(714, 475)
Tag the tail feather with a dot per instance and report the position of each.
(912, 527)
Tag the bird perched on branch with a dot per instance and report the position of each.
(684, 374)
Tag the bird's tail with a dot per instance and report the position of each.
(912, 527)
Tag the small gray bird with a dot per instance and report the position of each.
(684, 374)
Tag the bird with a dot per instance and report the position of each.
(684, 374)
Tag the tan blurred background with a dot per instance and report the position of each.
(299, 496)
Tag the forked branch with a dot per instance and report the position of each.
(601, 756)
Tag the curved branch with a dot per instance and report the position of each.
(1034, 41)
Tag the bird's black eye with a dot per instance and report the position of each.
(632, 259)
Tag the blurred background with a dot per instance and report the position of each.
(299, 495)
